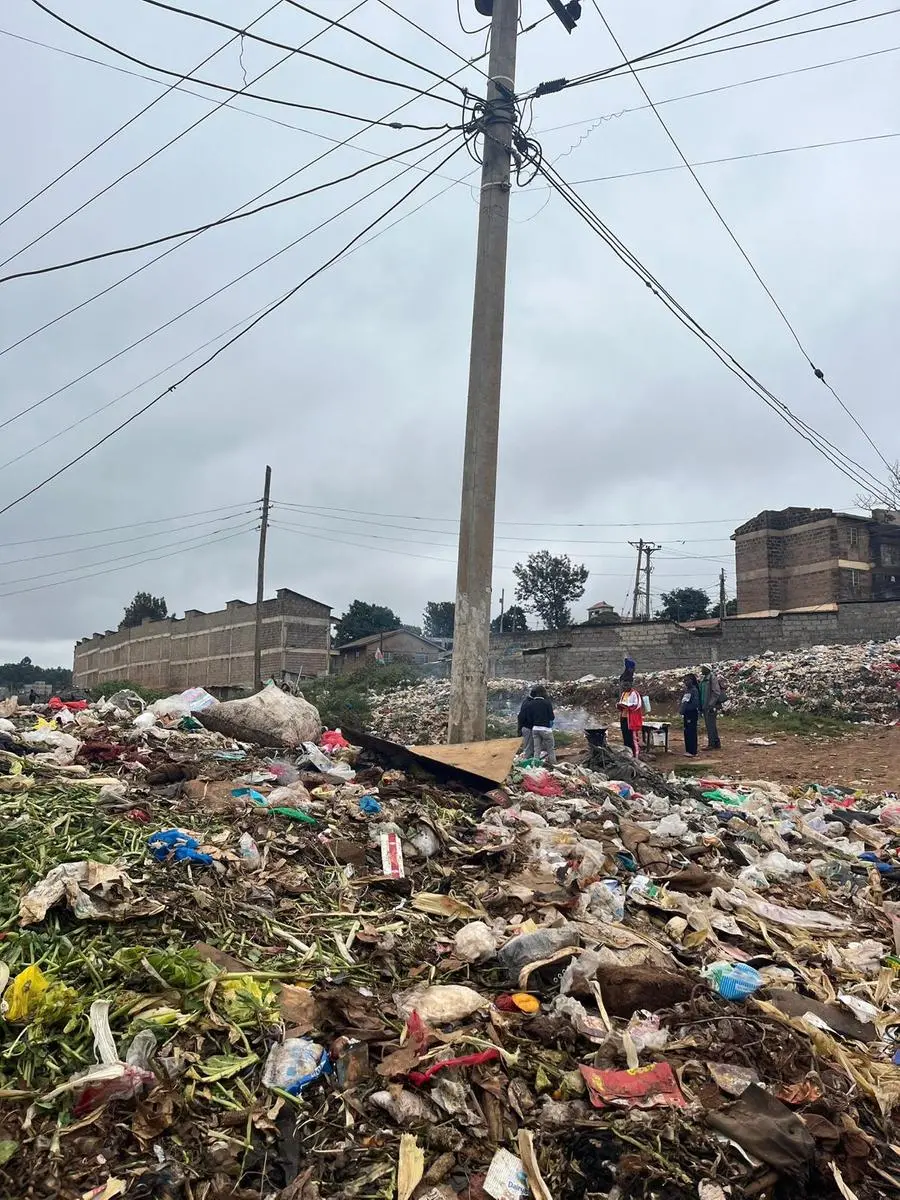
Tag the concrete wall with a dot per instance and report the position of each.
(660, 645)
(211, 650)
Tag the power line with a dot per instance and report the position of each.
(331, 62)
(131, 120)
(724, 87)
(471, 32)
(122, 557)
(384, 120)
(643, 64)
(133, 537)
(59, 537)
(227, 220)
(212, 541)
(817, 371)
(221, 87)
(200, 366)
(832, 453)
(161, 149)
(428, 34)
(535, 524)
(192, 308)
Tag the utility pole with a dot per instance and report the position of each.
(261, 582)
(502, 598)
(639, 546)
(722, 594)
(468, 680)
(649, 551)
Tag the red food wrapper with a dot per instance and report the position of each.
(645, 1087)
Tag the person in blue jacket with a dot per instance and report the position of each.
(690, 713)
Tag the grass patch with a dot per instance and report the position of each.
(148, 695)
(786, 720)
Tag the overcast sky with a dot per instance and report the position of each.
(355, 389)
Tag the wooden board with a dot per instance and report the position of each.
(491, 760)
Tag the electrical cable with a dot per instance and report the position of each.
(299, 510)
(724, 87)
(212, 541)
(331, 62)
(531, 524)
(200, 366)
(160, 150)
(185, 312)
(227, 220)
(384, 120)
(471, 32)
(817, 371)
(59, 537)
(131, 120)
(221, 87)
(139, 537)
(378, 45)
(838, 458)
(122, 557)
(643, 64)
(428, 34)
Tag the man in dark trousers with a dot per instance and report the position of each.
(537, 715)
(712, 693)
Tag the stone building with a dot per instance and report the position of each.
(212, 650)
(811, 558)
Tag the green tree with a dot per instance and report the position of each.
(17, 676)
(144, 605)
(438, 618)
(548, 584)
(684, 604)
(731, 608)
(515, 620)
(362, 619)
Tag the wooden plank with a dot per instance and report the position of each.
(491, 760)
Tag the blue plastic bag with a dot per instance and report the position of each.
(174, 845)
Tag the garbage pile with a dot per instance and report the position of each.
(853, 683)
(270, 967)
(417, 714)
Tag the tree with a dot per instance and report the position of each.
(684, 604)
(144, 605)
(514, 620)
(438, 618)
(731, 608)
(888, 495)
(547, 584)
(362, 620)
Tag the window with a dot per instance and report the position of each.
(854, 580)
(854, 536)
(388, 656)
(421, 658)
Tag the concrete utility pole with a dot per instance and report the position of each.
(636, 597)
(502, 599)
(722, 594)
(468, 680)
(649, 550)
(261, 582)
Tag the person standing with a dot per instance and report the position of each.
(690, 713)
(540, 715)
(631, 714)
(712, 693)
(524, 726)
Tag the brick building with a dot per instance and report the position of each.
(810, 558)
(212, 650)
(397, 645)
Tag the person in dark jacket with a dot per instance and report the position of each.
(712, 694)
(690, 713)
(537, 715)
(526, 750)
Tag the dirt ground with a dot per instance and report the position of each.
(868, 756)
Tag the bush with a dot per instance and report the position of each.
(345, 699)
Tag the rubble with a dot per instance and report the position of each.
(594, 980)
(852, 683)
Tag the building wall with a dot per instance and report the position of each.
(212, 650)
(399, 644)
(659, 645)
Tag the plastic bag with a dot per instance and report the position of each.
(733, 981)
(174, 845)
(294, 1064)
(270, 718)
(474, 942)
(605, 900)
(541, 783)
